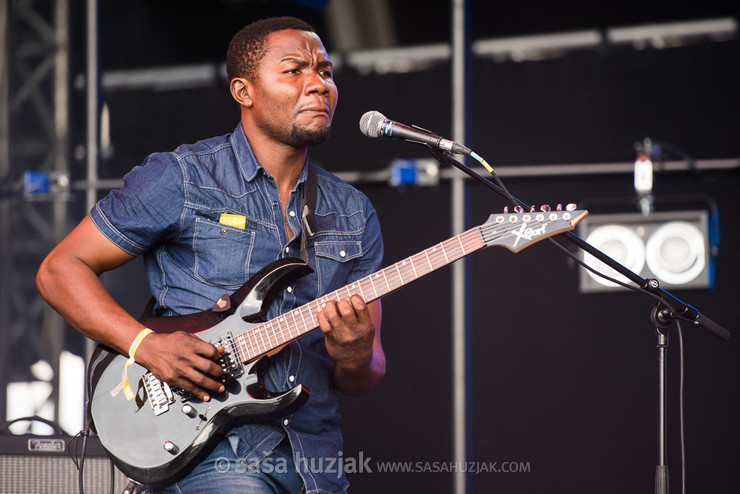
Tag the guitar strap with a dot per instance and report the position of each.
(308, 206)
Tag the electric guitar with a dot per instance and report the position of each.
(159, 434)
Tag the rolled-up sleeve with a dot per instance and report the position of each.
(147, 209)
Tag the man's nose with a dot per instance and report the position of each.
(316, 83)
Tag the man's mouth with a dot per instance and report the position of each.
(316, 110)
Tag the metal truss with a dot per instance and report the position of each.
(34, 122)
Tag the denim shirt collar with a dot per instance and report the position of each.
(248, 163)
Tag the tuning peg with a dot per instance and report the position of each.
(531, 208)
(545, 208)
(518, 209)
(506, 209)
(559, 207)
(570, 207)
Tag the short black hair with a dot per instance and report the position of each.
(247, 47)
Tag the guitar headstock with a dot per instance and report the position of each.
(520, 229)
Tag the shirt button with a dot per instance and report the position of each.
(224, 231)
(342, 254)
(291, 378)
(285, 422)
(289, 289)
(292, 214)
(287, 249)
(274, 204)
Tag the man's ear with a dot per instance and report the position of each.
(240, 91)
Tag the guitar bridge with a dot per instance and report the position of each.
(158, 393)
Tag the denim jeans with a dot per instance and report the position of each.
(224, 472)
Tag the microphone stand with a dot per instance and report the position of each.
(669, 309)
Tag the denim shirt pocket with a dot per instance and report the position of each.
(334, 261)
(222, 253)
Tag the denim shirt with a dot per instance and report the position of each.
(168, 210)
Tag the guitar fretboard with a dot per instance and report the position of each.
(272, 334)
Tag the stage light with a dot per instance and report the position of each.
(675, 247)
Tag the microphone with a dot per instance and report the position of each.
(374, 124)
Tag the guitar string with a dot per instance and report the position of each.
(251, 346)
(402, 268)
(403, 271)
(453, 248)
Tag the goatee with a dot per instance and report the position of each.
(304, 137)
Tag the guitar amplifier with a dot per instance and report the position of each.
(42, 464)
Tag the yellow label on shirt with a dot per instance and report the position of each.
(235, 220)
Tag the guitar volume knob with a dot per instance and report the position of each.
(189, 411)
(171, 447)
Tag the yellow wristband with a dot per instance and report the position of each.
(137, 341)
(124, 384)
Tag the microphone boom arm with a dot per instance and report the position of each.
(677, 307)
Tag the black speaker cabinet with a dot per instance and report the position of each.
(42, 464)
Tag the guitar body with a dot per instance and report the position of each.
(160, 434)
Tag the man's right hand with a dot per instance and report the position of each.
(182, 360)
(68, 281)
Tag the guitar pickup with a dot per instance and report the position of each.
(229, 361)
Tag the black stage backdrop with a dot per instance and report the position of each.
(564, 384)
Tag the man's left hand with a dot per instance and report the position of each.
(352, 332)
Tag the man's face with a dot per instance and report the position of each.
(294, 95)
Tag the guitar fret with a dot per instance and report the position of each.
(367, 287)
(413, 267)
(252, 337)
(274, 342)
(431, 268)
(372, 284)
(252, 345)
(386, 281)
(295, 325)
(271, 328)
(362, 292)
(258, 333)
(441, 256)
(444, 252)
(268, 329)
(313, 308)
(363, 288)
(247, 346)
(303, 319)
(261, 342)
(398, 269)
(248, 349)
(266, 335)
(459, 239)
(238, 346)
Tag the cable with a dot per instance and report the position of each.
(681, 406)
(81, 469)
(112, 474)
(678, 317)
(485, 164)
